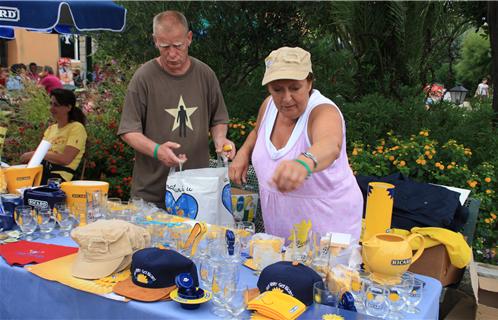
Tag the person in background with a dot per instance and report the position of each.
(158, 91)
(298, 150)
(4, 75)
(78, 80)
(16, 78)
(49, 80)
(33, 72)
(482, 91)
(67, 136)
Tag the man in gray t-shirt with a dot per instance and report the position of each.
(173, 102)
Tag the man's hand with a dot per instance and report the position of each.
(225, 147)
(166, 155)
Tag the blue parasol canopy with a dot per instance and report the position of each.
(60, 16)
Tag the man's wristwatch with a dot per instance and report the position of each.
(310, 155)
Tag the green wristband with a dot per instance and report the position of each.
(155, 150)
(304, 164)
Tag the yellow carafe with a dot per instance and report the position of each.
(379, 209)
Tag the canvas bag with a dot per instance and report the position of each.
(200, 194)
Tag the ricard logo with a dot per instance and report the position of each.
(401, 262)
(9, 14)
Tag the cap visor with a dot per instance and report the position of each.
(130, 290)
(85, 269)
(284, 74)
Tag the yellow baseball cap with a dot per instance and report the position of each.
(287, 63)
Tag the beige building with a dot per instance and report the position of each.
(40, 48)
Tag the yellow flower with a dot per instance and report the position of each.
(449, 167)
(427, 147)
(488, 191)
(242, 132)
(242, 126)
(487, 179)
(402, 163)
(437, 164)
(355, 152)
(422, 133)
(493, 215)
(488, 221)
(429, 157)
(423, 162)
(391, 158)
(427, 153)
(441, 167)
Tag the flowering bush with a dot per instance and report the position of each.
(423, 159)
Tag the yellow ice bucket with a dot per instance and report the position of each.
(21, 177)
(76, 195)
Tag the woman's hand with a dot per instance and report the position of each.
(289, 176)
(25, 157)
(237, 171)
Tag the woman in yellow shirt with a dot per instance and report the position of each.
(67, 136)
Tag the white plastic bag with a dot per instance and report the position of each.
(200, 194)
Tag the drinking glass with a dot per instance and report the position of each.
(95, 206)
(77, 211)
(113, 205)
(359, 283)
(65, 219)
(28, 223)
(323, 295)
(54, 183)
(237, 303)
(20, 210)
(376, 301)
(415, 296)
(245, 231)
(301, 246)
(46, 222)
(264, 254)
(206, 268)
(224, 282)
(398, 293)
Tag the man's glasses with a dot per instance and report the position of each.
(177, 46)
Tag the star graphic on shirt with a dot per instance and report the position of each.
(175, 112)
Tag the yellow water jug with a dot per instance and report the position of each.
(379, 209)
(20, 176)
(387, 256)
(76, 195)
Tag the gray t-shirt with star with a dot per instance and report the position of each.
(164, 108)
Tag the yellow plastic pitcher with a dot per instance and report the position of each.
(387, 256)
(76, 195)
(21, 177)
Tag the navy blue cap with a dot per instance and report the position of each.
(158, 268)
(295, 280)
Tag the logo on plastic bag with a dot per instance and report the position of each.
(184, 206)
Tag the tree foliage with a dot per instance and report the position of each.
(475, 62)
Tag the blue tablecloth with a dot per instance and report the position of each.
(26, 296)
